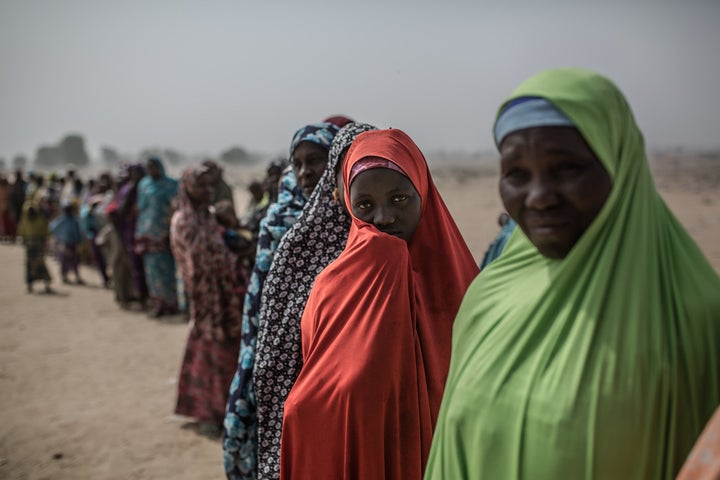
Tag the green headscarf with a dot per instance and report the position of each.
(603, 364)
(32, 227)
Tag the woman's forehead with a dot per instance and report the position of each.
(380, 179)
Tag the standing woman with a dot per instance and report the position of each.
(211, 281)
(315, 240)
(123, 212)
(34, 232)
(308, 156)
(376, 328)
(590, 347)
(17, 196)
(152, 235)
(8, 227)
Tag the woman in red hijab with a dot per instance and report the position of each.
(377, 327)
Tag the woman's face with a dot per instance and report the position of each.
(201, 190)
(552, 185)
(153, 169)
(309, 161)
(136, 174)
(388, 200)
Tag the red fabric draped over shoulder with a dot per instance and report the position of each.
(376, 336)
(441, 261)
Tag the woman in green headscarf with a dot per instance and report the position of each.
(590, 348)
(34, 232)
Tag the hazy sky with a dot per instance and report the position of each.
(201, 76)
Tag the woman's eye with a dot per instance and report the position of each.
(570, 168)
(516, 174)
(399, 198)
(363, 205)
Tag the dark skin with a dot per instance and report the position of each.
(201, 191)
(135, 175)
(553, 185)
(153, 169)
(388, 200)
(213, 171)
(309, 161)
(256, 190)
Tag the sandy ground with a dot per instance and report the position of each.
(87, 390)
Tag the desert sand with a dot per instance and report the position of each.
(87, 390)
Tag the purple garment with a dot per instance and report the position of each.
(124, 220)
(68, 259)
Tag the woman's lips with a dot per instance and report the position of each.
(544, 228)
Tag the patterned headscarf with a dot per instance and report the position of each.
(321, 133)
(189, 178)
(207, 267)
(316, 239)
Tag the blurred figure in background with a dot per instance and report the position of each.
(49, 196)
(256, 208)
(31, 186)
(92, 221)
(66, 230)
(507, 226)
(17, 196)
(111, 237)
(7, 222)
(238, 239)
(210, 278)
(67, 189)
(221, 190)
(125, 220)
(272, 179)
(156, 193)
(34, 233)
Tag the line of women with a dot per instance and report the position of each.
(588, 349)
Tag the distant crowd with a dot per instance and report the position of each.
(118, 222)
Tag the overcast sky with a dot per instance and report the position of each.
(201, 76)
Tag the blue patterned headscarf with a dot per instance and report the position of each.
(321, 133)
(240, 425)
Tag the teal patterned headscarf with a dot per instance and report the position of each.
(320, 133)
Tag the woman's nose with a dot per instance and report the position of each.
(383, 216)
(542, 194)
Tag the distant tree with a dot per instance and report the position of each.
(109, 156)
(49, 156)
(73, 151)
(235, 155)
(168, 155)
(19, 162)
(172, 156)
(149, 152)
(3, 164)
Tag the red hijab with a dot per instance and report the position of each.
(376, 336)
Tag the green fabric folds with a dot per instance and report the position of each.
(603, 364)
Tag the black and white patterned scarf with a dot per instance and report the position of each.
(317, 238)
